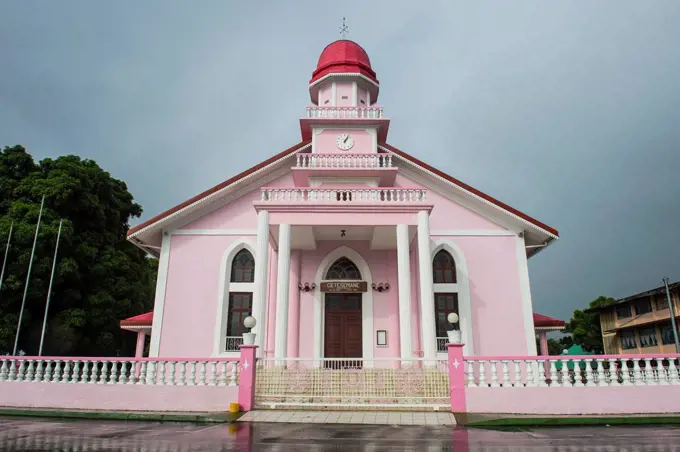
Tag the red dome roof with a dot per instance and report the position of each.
(343, 56)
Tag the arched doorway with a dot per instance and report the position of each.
(343, 314)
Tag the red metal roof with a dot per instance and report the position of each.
(139, 320)
(304, 143)
(343, 56)
(543, 320)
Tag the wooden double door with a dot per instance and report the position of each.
(343, 329)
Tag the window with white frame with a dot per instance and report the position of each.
(241, 282)
(445, 295)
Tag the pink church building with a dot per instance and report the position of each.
(342, 246)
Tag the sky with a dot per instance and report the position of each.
(568, 111)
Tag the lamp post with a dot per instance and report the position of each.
(249, 338)
(454, 335)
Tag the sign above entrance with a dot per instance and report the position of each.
(344, 286)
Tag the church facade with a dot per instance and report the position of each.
(342, 246)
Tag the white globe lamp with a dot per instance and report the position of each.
(249, 337)
(454, 335)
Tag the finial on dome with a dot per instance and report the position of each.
(344, 29)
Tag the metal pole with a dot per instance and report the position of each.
(49, 290)
(4, 261)
(28, 278)
(673, 322)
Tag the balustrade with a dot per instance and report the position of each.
(344, 195)
(565, 371)
(344, 161)
(345, 112)
(146, 371)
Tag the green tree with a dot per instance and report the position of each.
(585, 327)
(100, 277)
(556, 346)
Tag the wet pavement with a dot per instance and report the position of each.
(49, 435)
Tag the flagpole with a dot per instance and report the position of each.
(28, 278)
(49, 289)
(4, 261)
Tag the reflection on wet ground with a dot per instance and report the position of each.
(43, 435)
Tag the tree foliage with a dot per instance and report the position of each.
(585, 327)
(556, 346)
(100, 278)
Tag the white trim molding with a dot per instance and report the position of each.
(462, 288)
(525, 290)
(226, 286)
(470, 233)
(240, 232)
(159, 300)
(344, 74)
(367, 332)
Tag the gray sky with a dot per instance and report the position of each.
(568, 111)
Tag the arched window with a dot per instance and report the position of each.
(240, 297)
(445, 297)
(243, 267)
(343, 268)
(444, 268)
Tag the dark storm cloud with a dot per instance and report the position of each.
(565, 110)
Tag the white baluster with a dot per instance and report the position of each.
(113, 379)
(4, 370)
(161, 372)
(141, 380)
(21, 370)
(66, 375)
(673, 376)
(506, 374)
(103, 376)
(601, 378)
(625, 374)
(12, 371)
(93, 372)
(590, 379)
(223, 374)
(529, 365)
(494, 373)
(171, 374)
(637, 374)
(151, 373)
(234, 369)
(518, 373)
(553, 372)
(47, 376)
(85, 373)
(57, 372)
(213, 373)
(182, 373)
(122, 379)
(471, 374)
(482, 374)
(30, 372)
(202, 380)
(75, 376)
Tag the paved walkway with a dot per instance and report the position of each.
(347, 417)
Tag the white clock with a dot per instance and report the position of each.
(344, 141)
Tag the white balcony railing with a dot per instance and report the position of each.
(345, 112)
(344, 195)
(561, 371)
(145, 371)
(344, 161)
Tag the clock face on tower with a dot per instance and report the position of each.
(344, 141)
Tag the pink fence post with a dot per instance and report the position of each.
(457, 378)
(246, 377)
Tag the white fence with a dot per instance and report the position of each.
(345, 112)
(147, 371)
(344, 161)
(344, 195)
(572, 371)
(341, 382)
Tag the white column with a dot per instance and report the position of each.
(427, 320)
(261, 276)
(282, 285)
(404, 276)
